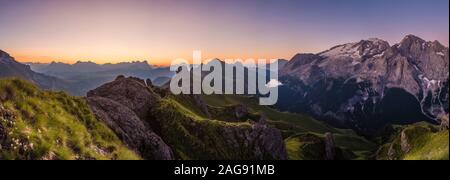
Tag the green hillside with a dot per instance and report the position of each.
(296, 125)
(36, 124)
(193, 135)
(178, 130)
(420, 141)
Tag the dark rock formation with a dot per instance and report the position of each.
(2, 134)
(129, 92)
(149, 82)
(241, 111)
(268, 141)
(391, 152)
(124, 106)
(444, 122)
(119, 77)
(6, 117)
(404, 142)
(263, 118)
(329, 147)
(200, 102)
(158, 129)
(130, 129)
(263, 142)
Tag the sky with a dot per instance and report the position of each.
(162, 30)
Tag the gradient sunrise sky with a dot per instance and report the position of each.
(162, 30)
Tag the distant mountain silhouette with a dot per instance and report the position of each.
(80, 69)
(9, 67)
(78, 78)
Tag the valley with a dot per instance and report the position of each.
(382, 103)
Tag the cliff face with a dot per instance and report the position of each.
(176, 127)
(356, 84)
(128, 126)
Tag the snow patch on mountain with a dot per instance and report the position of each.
(440, 53)
(273, 83)
(343, 51)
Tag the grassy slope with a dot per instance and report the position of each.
(425, 140)
(194, 136)
(295, 125)
(53, 125)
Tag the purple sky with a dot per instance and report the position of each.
(161, 30)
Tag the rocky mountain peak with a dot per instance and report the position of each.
(3, 54)
(414, 46)
(124, 106)
(298, 61)
(85, 62)
(372, 47)
(5, 57)
(304, 58)
(131, 92)
(374, 42)
(358, 50)
(363, 74)
(411, 39)
(430, 59)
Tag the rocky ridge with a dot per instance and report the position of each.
(163, 126)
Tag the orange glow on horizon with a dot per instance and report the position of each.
(159, 31)
(156, 61)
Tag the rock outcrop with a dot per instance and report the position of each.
(263, 118)
(404, 142)
(329, 147)
(130, 92)
(6, 118)
(241, 111)
(444, 122)
(179, 127)
(124, 105)
(262, 141)
(200, 102)
(130, 129)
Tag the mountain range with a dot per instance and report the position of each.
(362, 100)
(89, 75)
(77, 79)
(86, 67)
(368, 84)
(9, 67)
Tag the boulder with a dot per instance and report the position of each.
(124, 105)
(329, 146)
(241, 111)
(129, 92)
(130, 129)
(404, 142)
